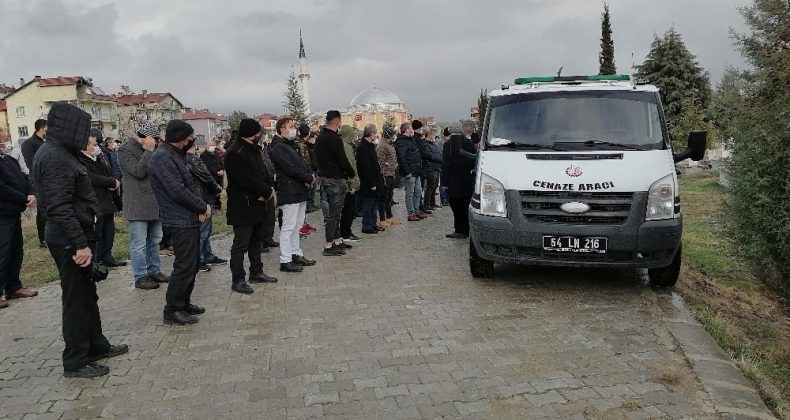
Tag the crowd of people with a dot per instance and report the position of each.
(168, 193)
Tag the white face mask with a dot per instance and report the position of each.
(96, 151)
(291, 134)
(377, 141)
(211, 149)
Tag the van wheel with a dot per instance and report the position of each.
(666, 276)
(480, 268)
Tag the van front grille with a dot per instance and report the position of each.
(606, 208)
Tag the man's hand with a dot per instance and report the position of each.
(408, 176)
(31, 200)
(220, 173)
(203, 216)
(373, 188)
(149, 143)
(83, 257)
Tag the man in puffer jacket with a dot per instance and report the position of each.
(66, 196)
(181, 210)
(410, 168)
(293, 179)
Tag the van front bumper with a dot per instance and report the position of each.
(636, 243)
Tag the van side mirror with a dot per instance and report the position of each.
(696, 147)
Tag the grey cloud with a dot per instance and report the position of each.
(436, 55)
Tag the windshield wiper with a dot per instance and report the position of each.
(593, 143)
(515, 145)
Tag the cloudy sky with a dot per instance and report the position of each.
(436, 55)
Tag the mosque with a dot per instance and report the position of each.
(371, 106)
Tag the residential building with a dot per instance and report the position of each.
(4, 90)
(33, 99)
(207, 125)
(133, 109)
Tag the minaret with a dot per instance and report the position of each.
(304, 75)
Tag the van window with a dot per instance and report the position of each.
(631, 118)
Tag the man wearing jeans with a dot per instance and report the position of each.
(140, 208)
(409, 168)
(293, 179)
(334, 169)
(210, 192)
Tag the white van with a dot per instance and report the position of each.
(578, 171)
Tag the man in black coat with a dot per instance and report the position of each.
(293, 179)
(67, 197)
(371, 182)
(104, 184)
(458, 178)
(210, 192)
(16, 194)
(334, 169)
(407, 150)
(213, 162)
(181, 210)
(29, 149)
(249, 193)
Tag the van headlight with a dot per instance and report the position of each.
(492, 197)
(661, 199)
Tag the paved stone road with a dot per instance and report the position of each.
(397, 329)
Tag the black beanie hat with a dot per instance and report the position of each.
(249, 128)
(446, 131)
(416, 124)
(177, 130)
(304, 130)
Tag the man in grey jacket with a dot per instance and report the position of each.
(140, 207)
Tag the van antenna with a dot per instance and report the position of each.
(559, 72)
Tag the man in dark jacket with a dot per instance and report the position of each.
(29, 149)
(410, 168)
(181, 209)
(140, 207)
(432, 163)
(458, 177)
(293, 179)
(334, 169)
(210, 191)
(104, 184)
(16, 194)
(311, 207)
(67, 197)
(371, 182)
(213, 163)
(249, 193)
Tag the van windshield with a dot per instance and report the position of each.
(613, 120)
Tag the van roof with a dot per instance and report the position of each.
(575, 86)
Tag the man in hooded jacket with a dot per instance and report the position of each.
(66, 195)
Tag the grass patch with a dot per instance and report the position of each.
(38, 267)
(746, 318)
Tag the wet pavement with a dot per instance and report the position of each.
(398, 328)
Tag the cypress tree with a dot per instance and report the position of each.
(606, 56)
(294, 102)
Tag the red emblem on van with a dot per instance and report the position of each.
(573, 171)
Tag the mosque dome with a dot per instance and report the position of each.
(375, 96)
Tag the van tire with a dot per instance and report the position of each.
(666, 276)
(480, 267)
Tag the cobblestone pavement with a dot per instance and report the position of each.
(396, 329)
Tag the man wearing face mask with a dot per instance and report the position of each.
(213, 163)
(104, 184)
(371, 182)
(293, 178)
(181, 210)
(249, 194)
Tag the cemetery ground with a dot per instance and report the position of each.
(749, 321)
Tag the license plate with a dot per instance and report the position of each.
(595, 245)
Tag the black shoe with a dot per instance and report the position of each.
(262, 278)
(217, 261)
(111, 352)
(290, 268)
(333, 252)
(344, 246)
(159, 277)
(368, 232)
(42, 245)
(180, 318)
(114, 263)
(91, 370)
(302, 261)
(264, 250)
(380, 229)
(194, 309)
(428, 211)
(395, 203)
(272, 244)
(145, 283)
(242, 287)
(456, 235)
(204, 267)
(352, 238)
